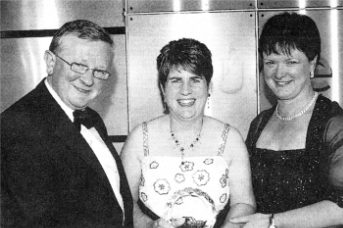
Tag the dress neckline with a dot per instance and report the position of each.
(280, 151)
(310, 129)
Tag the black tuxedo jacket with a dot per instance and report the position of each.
(50, 177)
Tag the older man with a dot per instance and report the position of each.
(58, 168)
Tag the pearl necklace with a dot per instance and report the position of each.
(298, 114)
(182, 148)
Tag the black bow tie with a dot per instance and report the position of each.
(83, 117)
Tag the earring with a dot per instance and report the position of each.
(165, 107)
(208, 101)
(311, 75)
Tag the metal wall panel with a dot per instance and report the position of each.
(150, 25)
(153, 6)
(268, 4)
(23, 67)
(231, 39)
(52, 14)
(328, 74)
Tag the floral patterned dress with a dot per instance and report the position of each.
(195, 187)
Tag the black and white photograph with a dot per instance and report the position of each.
(171, 113)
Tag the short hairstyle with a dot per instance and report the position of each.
(287, 31)
(83, 29)
(189, 54)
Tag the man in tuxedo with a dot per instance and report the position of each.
(58, 167)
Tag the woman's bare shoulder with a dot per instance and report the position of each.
(154, 126)
(158, 120)
(213, 123)
(220, 126)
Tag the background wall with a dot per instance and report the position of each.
(140, 28)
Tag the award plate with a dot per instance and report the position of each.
(193, 207)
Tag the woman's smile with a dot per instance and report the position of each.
(283, 83)
(186, 102)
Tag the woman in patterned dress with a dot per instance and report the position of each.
(296, 147)
(186, 169)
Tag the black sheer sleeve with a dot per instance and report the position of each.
(252, 133)
(333, 140)
(256, 127)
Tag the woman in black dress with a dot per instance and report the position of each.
(296, 147)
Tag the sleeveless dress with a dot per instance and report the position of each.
(290, 179)
(196, 188)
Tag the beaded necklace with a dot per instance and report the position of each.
(298, 114)
(182, 148)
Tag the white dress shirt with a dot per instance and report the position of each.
(98, 146)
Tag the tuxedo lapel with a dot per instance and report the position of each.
(73, 139)
(62, 127)
(124, 185)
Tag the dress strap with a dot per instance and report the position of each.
(224, 138)
(145, 139)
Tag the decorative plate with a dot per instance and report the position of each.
(191, 208)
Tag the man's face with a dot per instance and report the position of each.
(77, 90)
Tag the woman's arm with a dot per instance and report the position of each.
(333, 138)
(242, 201)
(131, 156)
(318, 215)
(322, 214)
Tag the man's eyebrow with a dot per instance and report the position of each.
(197, 76)
(174, 77)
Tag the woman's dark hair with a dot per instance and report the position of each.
(83, 29)
(189, 54)
(287, 31)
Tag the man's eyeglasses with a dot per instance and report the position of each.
(82, 69)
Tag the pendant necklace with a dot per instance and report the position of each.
(298, 114)
(182, 148)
